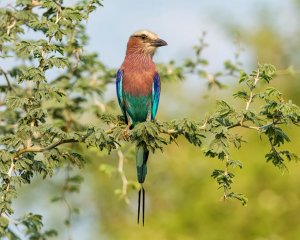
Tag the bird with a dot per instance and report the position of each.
(138, 91)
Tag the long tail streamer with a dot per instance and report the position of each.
(141, 193)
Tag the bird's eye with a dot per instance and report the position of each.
(143, 36)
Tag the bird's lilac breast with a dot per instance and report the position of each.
(138, 83)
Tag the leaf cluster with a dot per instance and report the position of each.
(57, 85)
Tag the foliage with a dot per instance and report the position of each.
(55, 83)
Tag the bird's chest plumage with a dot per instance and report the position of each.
(138, 82)
(137, 92)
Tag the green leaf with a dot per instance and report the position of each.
(241, 94)
(235, 163)
(239, 196)
(4, 222)
(57, 62)
(24, 49)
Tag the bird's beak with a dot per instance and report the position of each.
(159, 43)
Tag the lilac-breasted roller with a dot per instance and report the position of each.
(138, 91)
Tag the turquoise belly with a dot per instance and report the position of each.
(138, 108)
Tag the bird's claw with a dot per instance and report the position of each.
(126, 133)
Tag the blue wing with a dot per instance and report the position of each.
(119, 88)
(155, 95)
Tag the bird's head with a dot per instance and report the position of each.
(144, 42)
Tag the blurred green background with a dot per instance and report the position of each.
(183, 201)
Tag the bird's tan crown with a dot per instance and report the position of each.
(148, 33)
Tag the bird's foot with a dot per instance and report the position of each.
(126, 132)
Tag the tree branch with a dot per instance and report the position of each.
(54, 145)
(43, 149)
(239, 124)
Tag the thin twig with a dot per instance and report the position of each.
(246, 126)
(260, 127)
(122, 175)
(251, 95)
(226, 173)
(10, 88)
(10, 27)
(57, 18)
(11, 169)
(204, 124)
